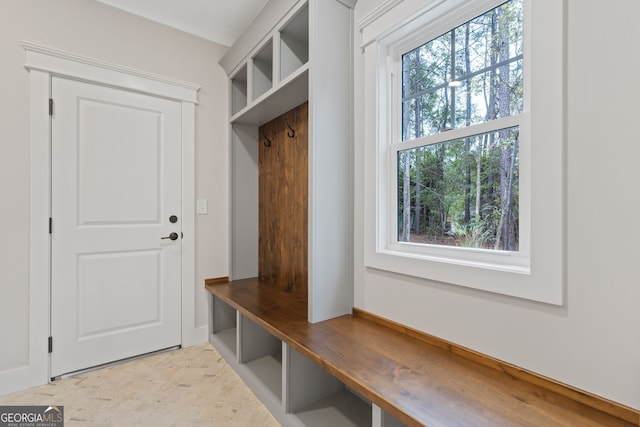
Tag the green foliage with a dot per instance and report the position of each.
(471, 182)
(474, 234)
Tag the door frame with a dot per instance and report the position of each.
(42, 63)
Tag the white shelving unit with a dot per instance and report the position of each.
(304, 55)
(295, 51)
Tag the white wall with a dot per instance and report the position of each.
(92, 29)
(593, 341)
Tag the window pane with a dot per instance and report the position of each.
(489, 38)
(462, 192)
(427, 66)
(502, 87)
(420, 121)
(466, 76)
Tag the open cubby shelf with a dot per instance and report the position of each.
(275, 78)
(268, 369)
(294, 43)
(263, 70)
(342, 408)
(226, 339)
(239, 91)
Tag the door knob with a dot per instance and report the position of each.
(172, 236)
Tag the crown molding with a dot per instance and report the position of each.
(376, 13)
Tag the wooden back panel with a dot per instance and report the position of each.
(283, 201)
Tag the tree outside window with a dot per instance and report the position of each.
(464, 191)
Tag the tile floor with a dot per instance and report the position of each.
(187, 387)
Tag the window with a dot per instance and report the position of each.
(464, 191)
(464, 161)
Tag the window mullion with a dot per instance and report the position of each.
(460, 133)
(463, 77)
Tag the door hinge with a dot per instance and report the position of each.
(50, 225)
(50, 344)
(51, 107)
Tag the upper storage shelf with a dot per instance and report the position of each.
(294, 43)
(276, 101)
(239, 90)
(263, 70)
(275, 76)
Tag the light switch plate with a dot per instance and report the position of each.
(202, 207)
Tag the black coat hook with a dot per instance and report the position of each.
(267, 142)
(292, 131)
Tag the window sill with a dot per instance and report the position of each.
(507, 279)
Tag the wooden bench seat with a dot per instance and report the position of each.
(418, 379)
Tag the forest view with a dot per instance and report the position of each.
(463, 192)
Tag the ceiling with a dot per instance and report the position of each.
(221, 21)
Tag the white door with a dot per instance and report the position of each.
(116, 196)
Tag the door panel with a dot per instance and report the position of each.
(130, 139)
(116, 180)
(134, 295)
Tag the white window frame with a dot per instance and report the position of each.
(536, 271)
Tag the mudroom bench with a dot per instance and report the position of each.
(362, 370)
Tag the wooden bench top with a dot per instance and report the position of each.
(419, 383)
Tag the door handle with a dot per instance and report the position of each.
(172, 236)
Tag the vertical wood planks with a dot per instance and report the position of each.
(283, 201)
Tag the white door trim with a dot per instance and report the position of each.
(43, 62)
